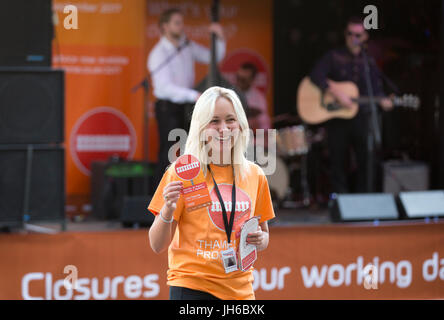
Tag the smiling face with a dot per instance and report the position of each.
(222, 131)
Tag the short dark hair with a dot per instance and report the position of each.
(249, 66)
(355, 20)
(166, 16)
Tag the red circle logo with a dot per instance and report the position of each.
(99, 134)
(242, 207)
(236, 58)
(187, 167)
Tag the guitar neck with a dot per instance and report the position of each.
(407, 100)
(366, 100)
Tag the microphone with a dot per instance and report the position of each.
(362, 45)
(357, 43)
(169, 58)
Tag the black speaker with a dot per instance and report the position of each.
(32, 187)
(31, 105)
(134, 211)
(422, 204)
(405, 176)
(26, 32)
(364, 207)
(111, 181)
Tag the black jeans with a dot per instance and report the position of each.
(343, 134)
(169, 116)
(180, 293)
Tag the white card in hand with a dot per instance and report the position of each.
(247, 252)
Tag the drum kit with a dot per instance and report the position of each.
(293, 143)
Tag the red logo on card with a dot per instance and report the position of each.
(187, 167)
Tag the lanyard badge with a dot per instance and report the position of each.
(228, 256)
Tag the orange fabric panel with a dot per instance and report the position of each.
(103, 60)
(312, 262)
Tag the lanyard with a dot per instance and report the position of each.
(228, 224)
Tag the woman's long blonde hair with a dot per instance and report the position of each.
(202, 115)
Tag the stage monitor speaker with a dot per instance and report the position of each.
(364, 207)
(32, 187)
(422, 204)
(31, 106)
(135, 213)
(26, 32)
(111, 181)
(405, 176)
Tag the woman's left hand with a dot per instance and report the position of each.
(258, 238)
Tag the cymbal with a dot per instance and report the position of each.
(253, 112)
(287, 117)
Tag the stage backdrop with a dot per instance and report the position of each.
(249, 35)
(319, 262)
(104, 59)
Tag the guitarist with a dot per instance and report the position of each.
(171, 66)
(347, 64)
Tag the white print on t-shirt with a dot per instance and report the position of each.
(209, 250)
(241, 206)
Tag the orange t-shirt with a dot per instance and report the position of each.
(194, 253)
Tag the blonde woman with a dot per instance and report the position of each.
(197, 240)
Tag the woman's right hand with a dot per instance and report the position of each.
(171, 194)
(162, 230)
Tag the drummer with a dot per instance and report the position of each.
(258, 117)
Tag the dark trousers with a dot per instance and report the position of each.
(180, 293)
(169, 116)
(344, 135)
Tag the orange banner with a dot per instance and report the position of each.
(317, 262)
(103, 59)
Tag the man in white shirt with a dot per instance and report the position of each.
(171, 67)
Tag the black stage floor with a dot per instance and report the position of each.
(284, 217)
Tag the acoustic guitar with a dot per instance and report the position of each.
(315, 107)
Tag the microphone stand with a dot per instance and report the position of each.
(374, 136)
(390, 84)
(144, 83)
